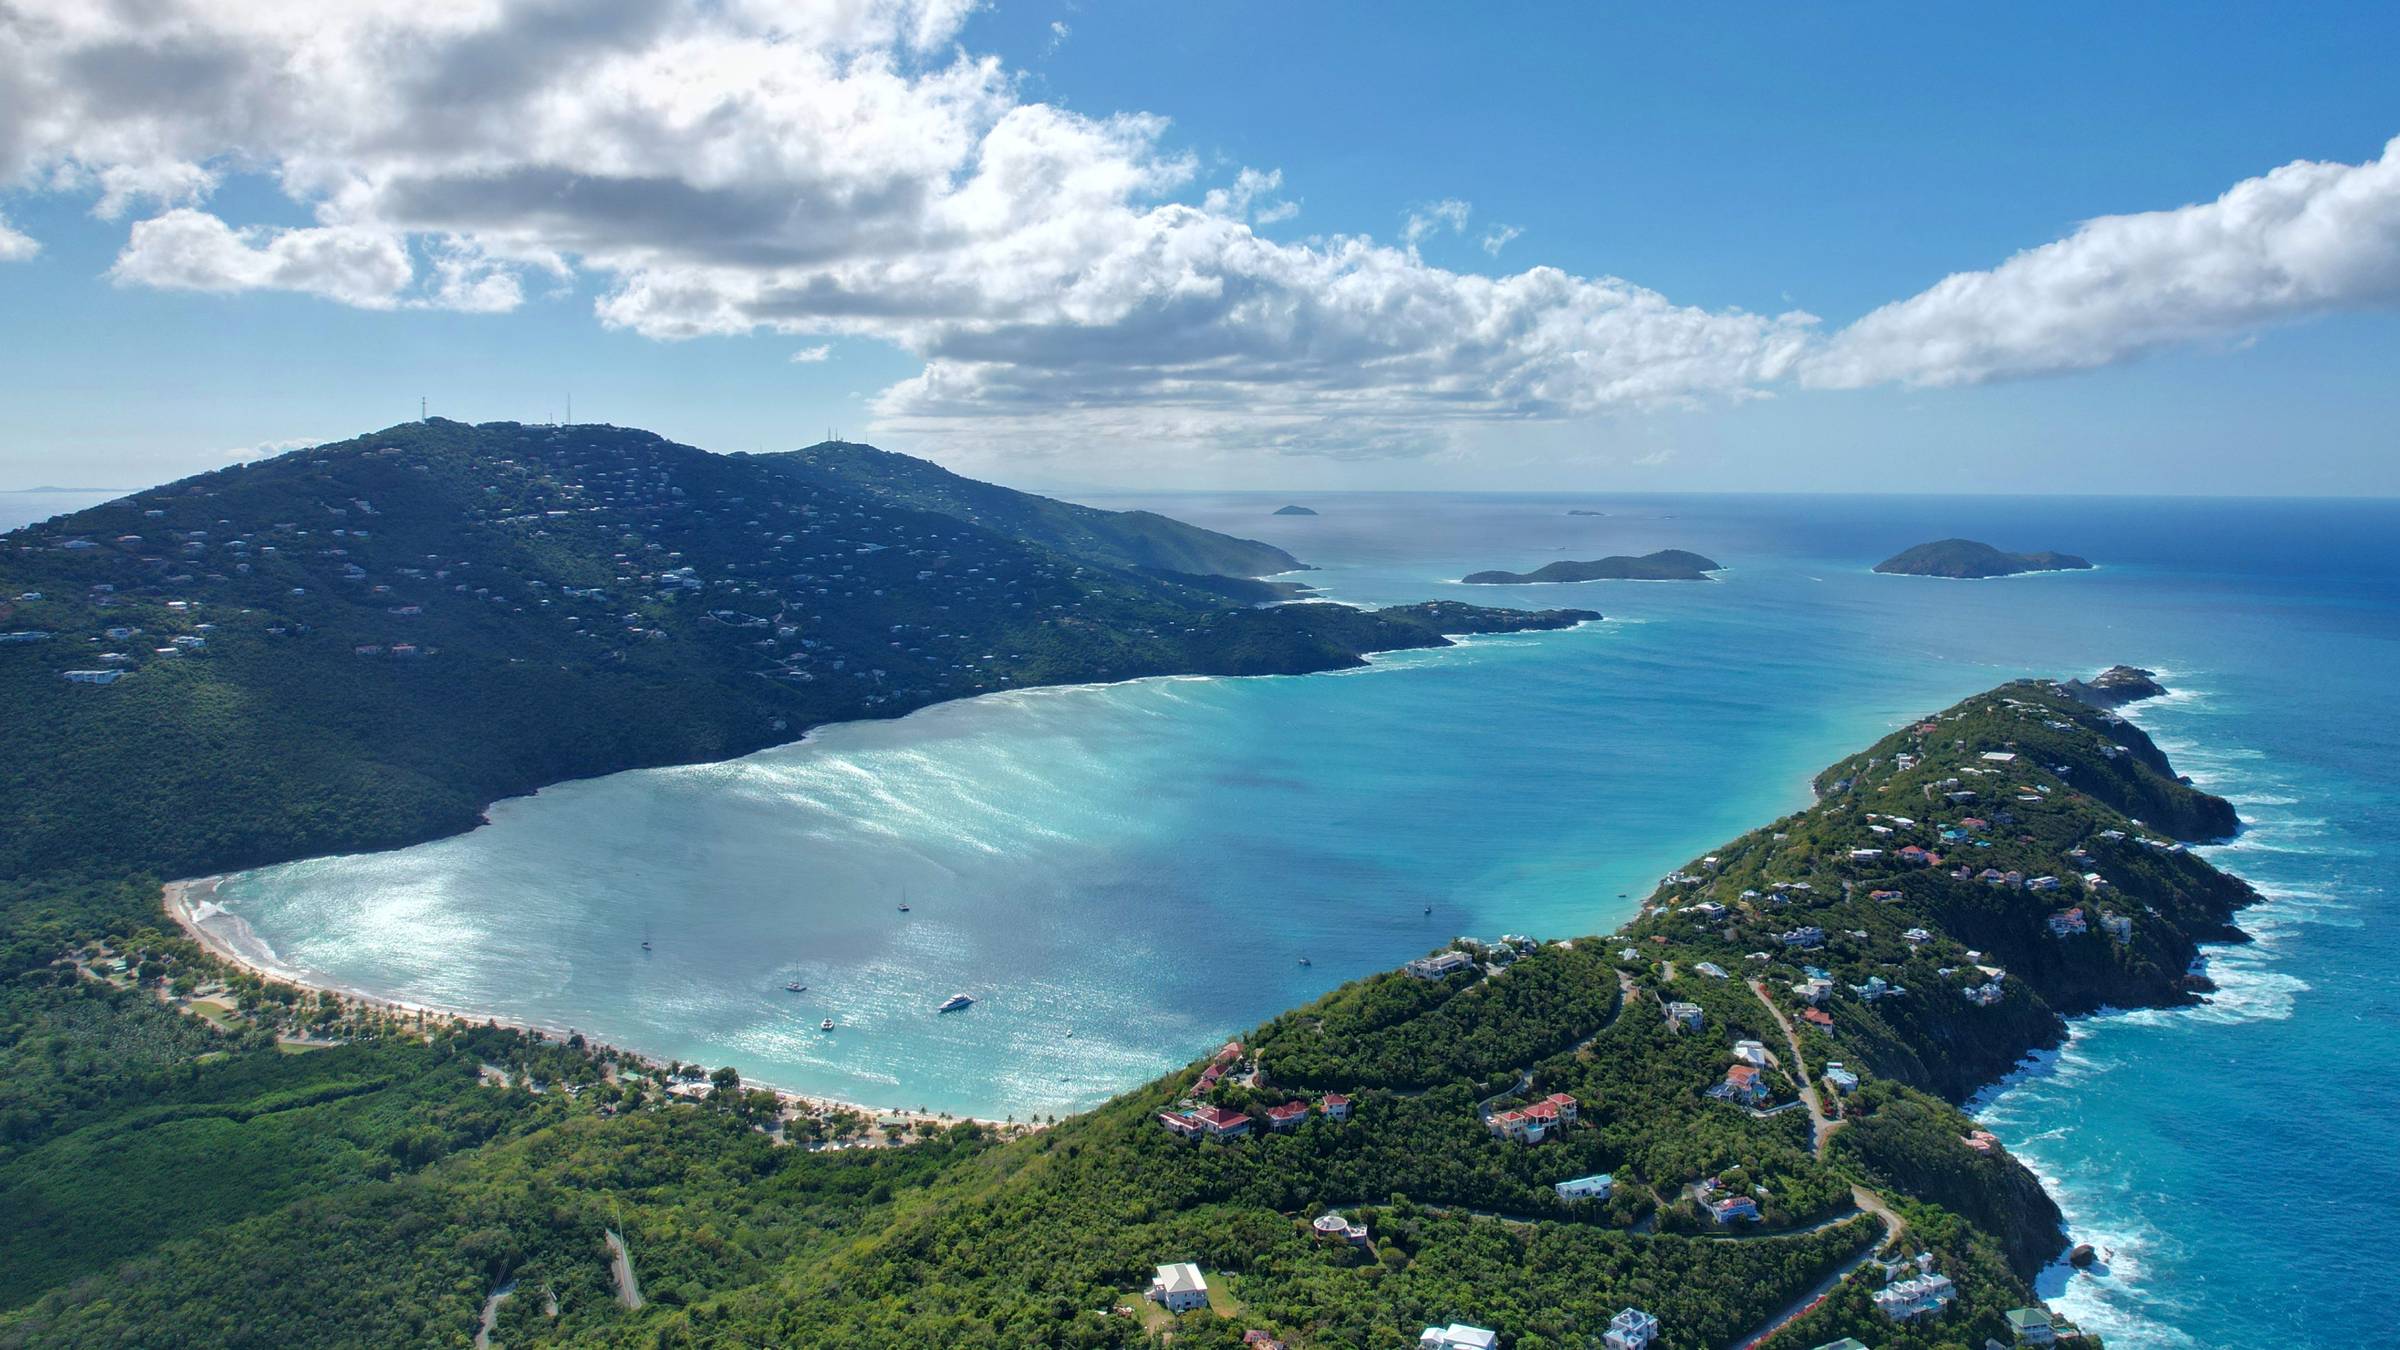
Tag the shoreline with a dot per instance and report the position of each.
(183, 900)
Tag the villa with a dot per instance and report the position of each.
(1814, 990)
(1741, 1085)
(1288, 1116)
(2031, 1326)
(1598, 1186)
(1917, 1296)
(1334, 1227)
(1211, 1122)
(1458, 1336)
(1804, 937)
(1684, 1016)
(1984, 995)
(1877, 988)
(1533, 1124)
(1631, 1329)
(1839, 1077)
(2117, 926)
(93, 676)
(2068, 923)
(1730, 1208)
(1335, 1106)
(1179, 1287)
(1817, 1017)
(1750, 1052)
(1439, 967)
(1845, 1343)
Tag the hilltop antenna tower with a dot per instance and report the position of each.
(420, 407)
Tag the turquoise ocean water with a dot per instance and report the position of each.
(1123, 874)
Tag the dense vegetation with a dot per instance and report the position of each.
(363, 644)
(191, 1156)
(1134, 539)
(1667, 564)
(1967, 558)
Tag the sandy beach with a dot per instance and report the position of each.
(192, 903)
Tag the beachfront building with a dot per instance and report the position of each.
(1179, 1287)
(2031, 1326)
(1597, 1186)
(1631, 1329)
(1458, 1336)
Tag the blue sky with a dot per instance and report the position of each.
(1731, 173)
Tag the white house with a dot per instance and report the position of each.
(1684, 1016)
(1916, 1296)
(1631, 1329)
(1597, 1186)
(1750, 1052)
(1179, 1287)
(1458, 1336)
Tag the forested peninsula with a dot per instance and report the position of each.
(1667, 564)
(1753, 1084)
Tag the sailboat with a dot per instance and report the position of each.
(826, 1025)
(904, 901)
(796, 987)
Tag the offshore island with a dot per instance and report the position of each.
(1667, 564)
(1966, 559)
(1734, 1118)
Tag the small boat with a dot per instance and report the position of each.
(1306, 962)
(955, 1002)
(796, 987)
(904, 908)
(826, 1025)
(1429, 909)
(645, 944)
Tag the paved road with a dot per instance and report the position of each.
(1822, 1126)
(620, 1265)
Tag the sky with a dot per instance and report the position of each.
(2043, 248)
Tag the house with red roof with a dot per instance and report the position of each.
(1532, 1124)
(1206, 1122)
(1287, 1116)
(1817, 1017)
(1335, 1106)
(1742, 1085)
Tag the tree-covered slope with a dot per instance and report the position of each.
(392, 1188)
(1117, 538)
(362, 644)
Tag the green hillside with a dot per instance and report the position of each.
(1141, 539)
(363, 644)
(189, 1186)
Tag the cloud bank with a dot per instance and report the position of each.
(827, 169)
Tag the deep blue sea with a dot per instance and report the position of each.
(1123, 874)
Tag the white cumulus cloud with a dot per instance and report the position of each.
(817, 170)
(809, 356)
(16, 246)
(2308, 238)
